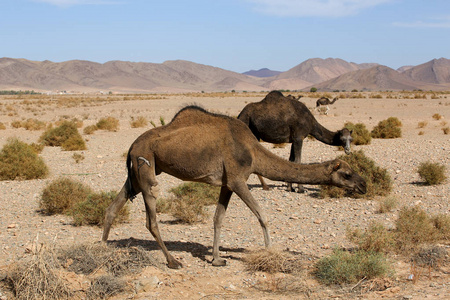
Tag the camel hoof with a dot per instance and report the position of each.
(175, 264)
(265, 188)
(219, 262)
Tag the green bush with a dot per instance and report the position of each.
(378, 181)
(91, 211)
(345, 267)
(18, 160)
(376, 238)
(65, 135)
(432, 173)
(387, 129)
(360, 134)
(60, 195)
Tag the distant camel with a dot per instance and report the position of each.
(324, 101)
(204, 147)
(293, 97)
(277, 119)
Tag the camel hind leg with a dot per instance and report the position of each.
(224, 199)
(150, 191)
(112, 211)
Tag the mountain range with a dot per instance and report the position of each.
(185, 76)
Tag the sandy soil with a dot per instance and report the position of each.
(303, 223)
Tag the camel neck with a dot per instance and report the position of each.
(324, 135)
(275, 168)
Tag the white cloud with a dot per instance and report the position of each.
(321, 8)
(443, 22)
(66, 3)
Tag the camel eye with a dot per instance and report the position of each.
(347, 176)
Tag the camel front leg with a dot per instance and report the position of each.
(296, 156)
(150, 196)
(241, 189)
(224, 199)
(263, 183)
(112, 211)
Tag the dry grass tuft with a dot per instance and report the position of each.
(108, 123)
(105, 287)
(387, 204)
(138, 122)
(437, 116)
(38, 277)
(272, 261)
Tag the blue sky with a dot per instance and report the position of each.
(237, 35)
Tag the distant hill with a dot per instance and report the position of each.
(313, 71)
(435, 71)
(264, 72)
(186, 76)
(373, 79)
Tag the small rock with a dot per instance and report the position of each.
(11, 226)
(317, 221)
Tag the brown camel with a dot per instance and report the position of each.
(293, 97)
(204, 147)
(324, 101)
(277, 119)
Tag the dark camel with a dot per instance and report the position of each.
(292, 97)
(277, 119)
(204, 147)
(324, 101)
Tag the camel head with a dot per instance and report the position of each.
(343, 176)
(345, 139)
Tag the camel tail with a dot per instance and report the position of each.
(131, 192)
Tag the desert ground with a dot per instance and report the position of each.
(302, 223)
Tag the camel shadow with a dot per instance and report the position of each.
(196, 249)
(313, 192)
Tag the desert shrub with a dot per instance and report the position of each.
(138, 122)
(442, 224)
(272, 261)
(78, 157)
(91, 211)
(162, 121)
(60, 195)
(106, 286)
(37, 147)
(33, 124)
(2, 126)
(432, 173)
(446, 130)
(376, 238)
(344, 267)
(37, 277)
(73, 143)
(190, 199)
(437, 116)
(360, 134)
(387, 129)
(413, 228)
(422, 124)
(378, 181)
(108, 123)
(386, 204)
(29, 124)
(90, 129)
(18, 160)
(66, 134)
